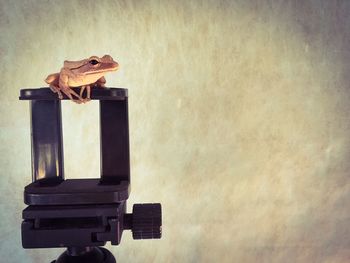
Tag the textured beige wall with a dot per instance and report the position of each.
(239, 121)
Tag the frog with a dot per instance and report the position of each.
(85, 73)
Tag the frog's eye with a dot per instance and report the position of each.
(93, 62)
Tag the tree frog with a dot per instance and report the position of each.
(83, 73)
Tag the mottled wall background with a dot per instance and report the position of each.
(239, 121)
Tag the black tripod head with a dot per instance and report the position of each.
(82, 214)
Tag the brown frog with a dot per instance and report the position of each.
(83, 73)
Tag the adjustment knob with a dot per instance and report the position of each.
(146, 221)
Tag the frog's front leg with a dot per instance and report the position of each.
(64, 87)
(88, 91)
(101, 82)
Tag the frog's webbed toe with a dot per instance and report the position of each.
(60, 96)
(57, 90)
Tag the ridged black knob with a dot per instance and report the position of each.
(146, 221)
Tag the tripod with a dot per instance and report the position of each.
(82, 214)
